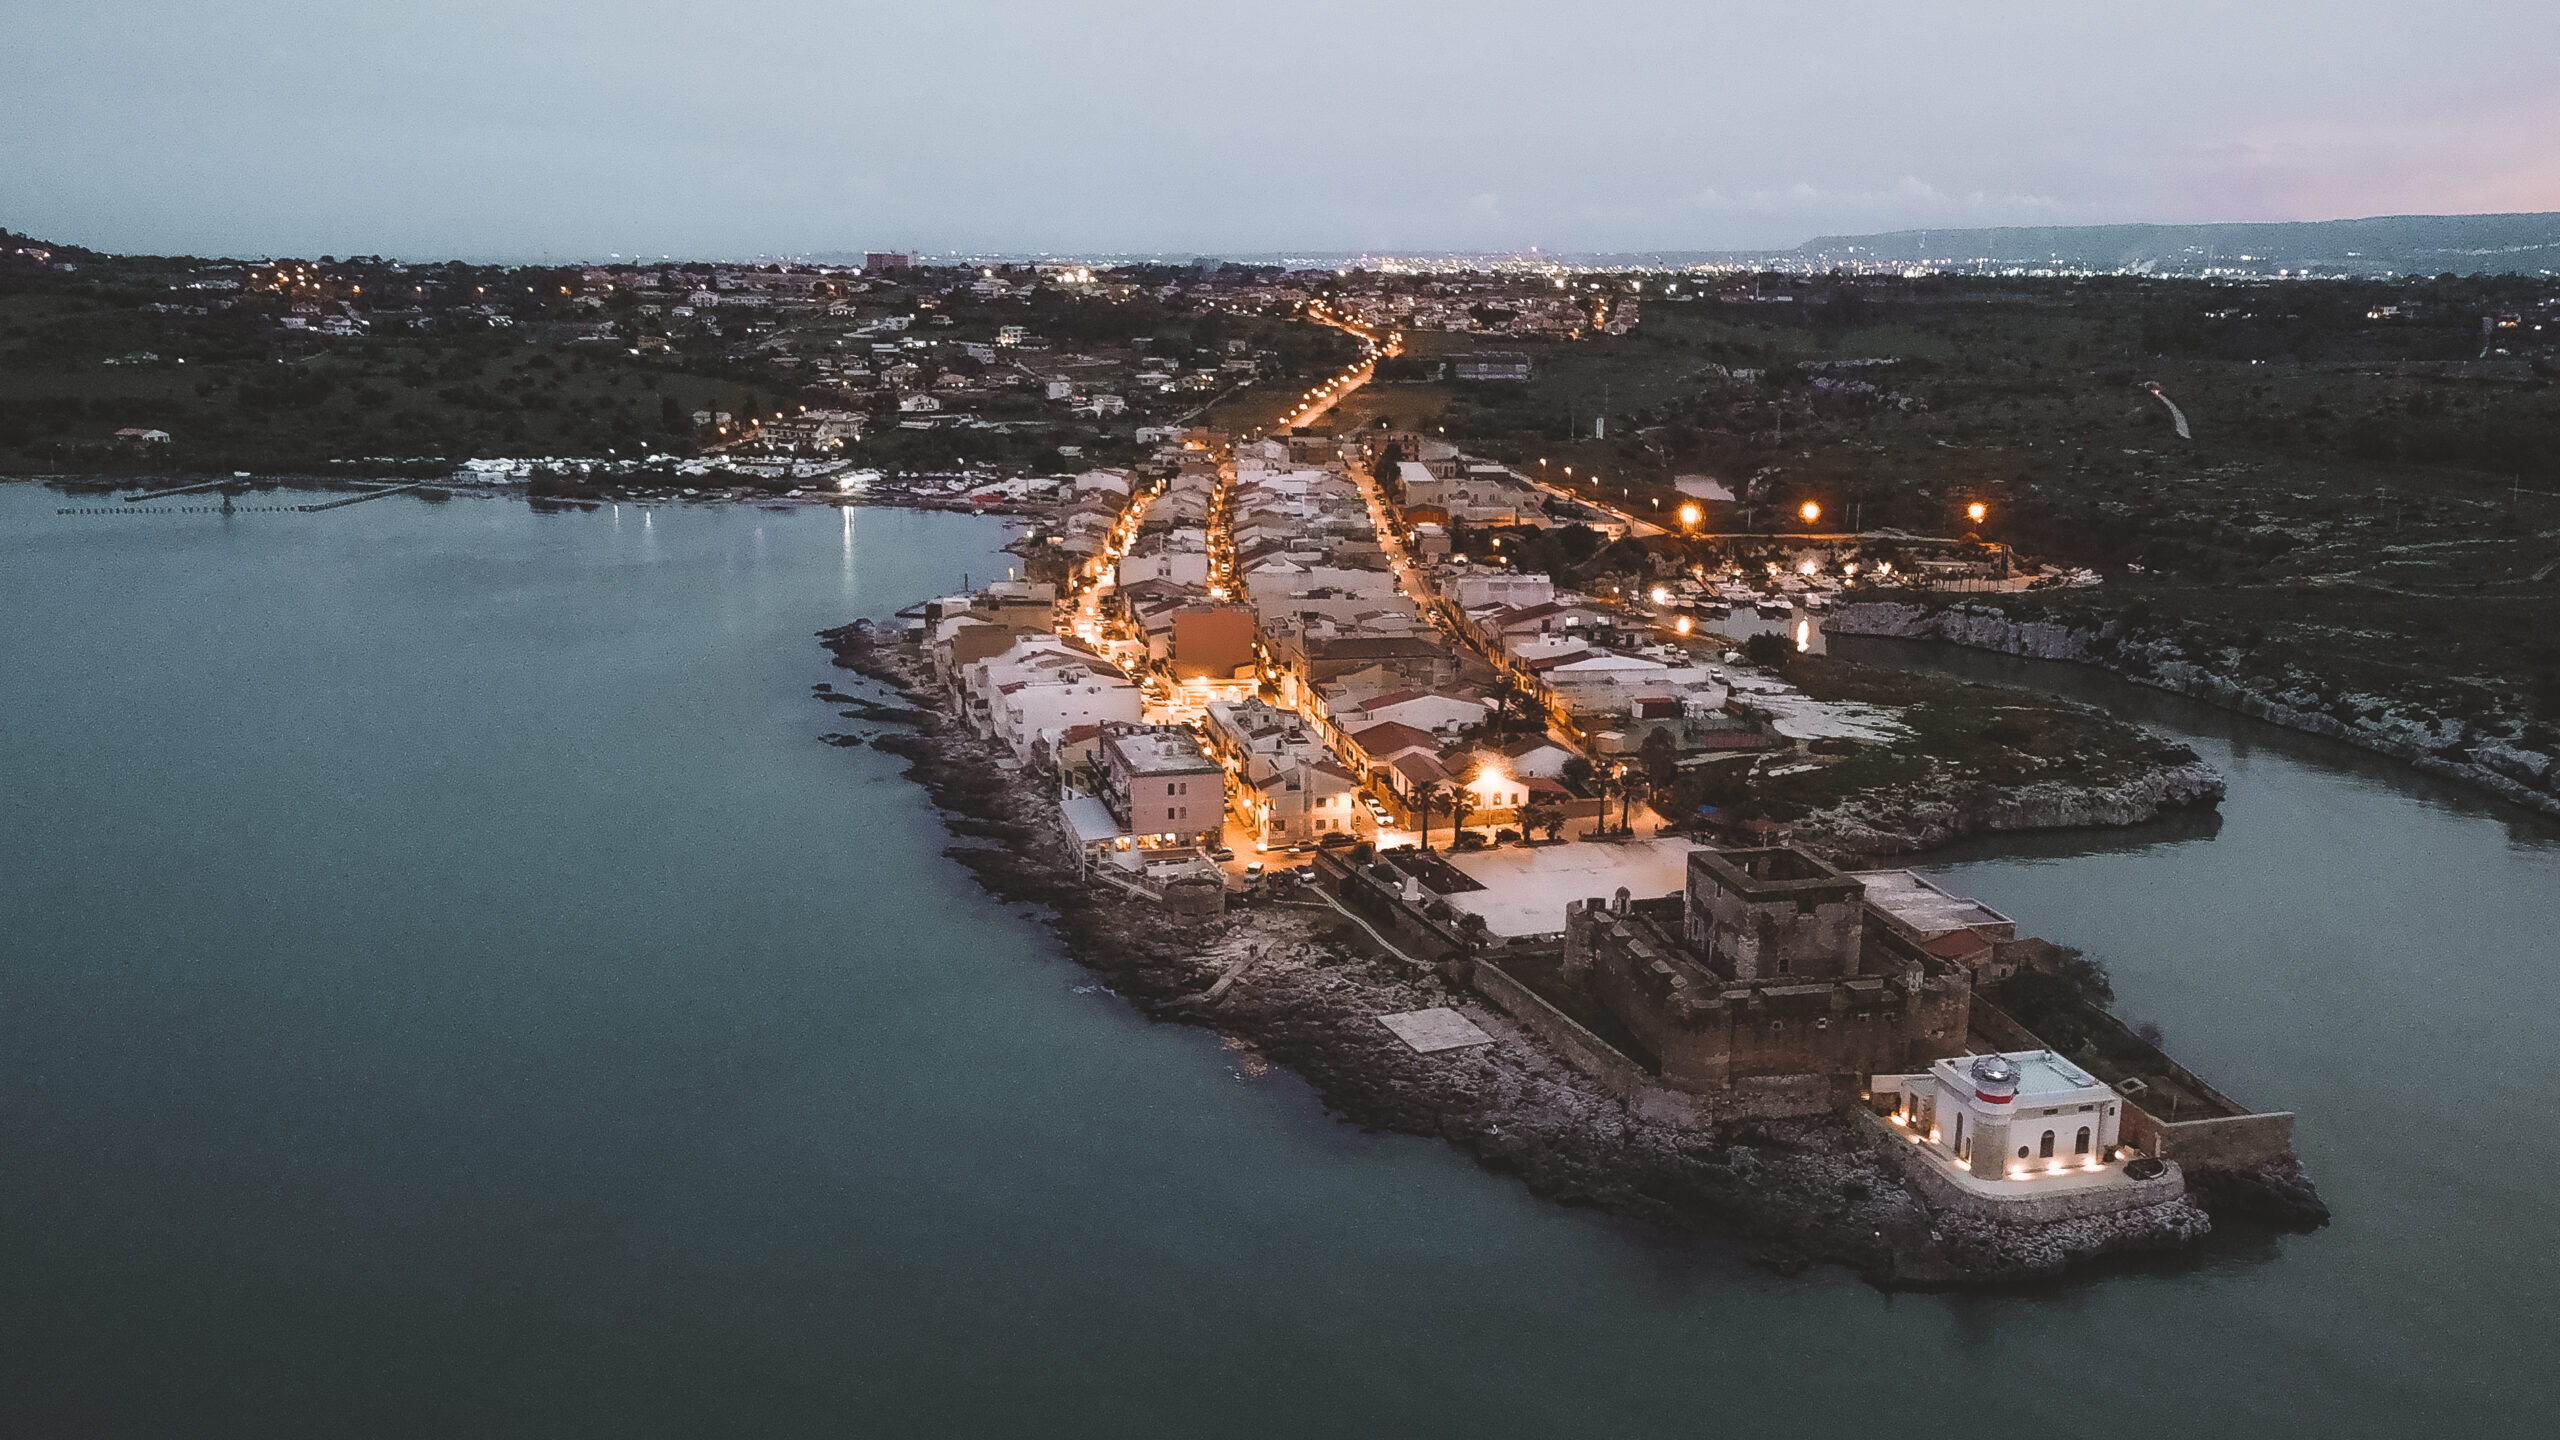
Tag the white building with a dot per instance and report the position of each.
(1047, 704)
(1179, 567)
(2021, 1115)
(1291, 803)
(1477, 588)
(1443, 712)
(1040, 688)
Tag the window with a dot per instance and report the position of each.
(1963, 1151)
(2044, 1148)
(2082, 1148)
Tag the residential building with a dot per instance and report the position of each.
(1161, 787)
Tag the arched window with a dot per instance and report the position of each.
(2083, 1147)
(2044, 1150)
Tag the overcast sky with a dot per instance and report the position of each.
(528, 129)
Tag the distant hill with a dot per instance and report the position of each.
(2394, 244)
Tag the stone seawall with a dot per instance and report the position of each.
(2451, 749)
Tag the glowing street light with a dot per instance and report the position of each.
(1975, 511)
(1810, 511)
(1690, 514)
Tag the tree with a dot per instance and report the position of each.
(1515, 709)
(1578, 775)
(1537, 816)
(1624, 784)
(1390, 479)
(1460, 801)
(1767, 650)
(1661, 756)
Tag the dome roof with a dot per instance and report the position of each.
(1995, 1070)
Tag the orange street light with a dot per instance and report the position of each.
(1810, 511)
(1975, 511)
(1690, 514)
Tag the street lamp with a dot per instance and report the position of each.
(1689, 514)
(1975, 511)
(1810, 511)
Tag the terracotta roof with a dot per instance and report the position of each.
(1420, 769)
(1956, 944)
(1393, 736)
(1513, 616)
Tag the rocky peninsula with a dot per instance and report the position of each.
(1287, 976)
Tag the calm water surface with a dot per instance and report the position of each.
(447, 990)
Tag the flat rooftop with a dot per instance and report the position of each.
(1161, 752)
(1911, 899)
(1526, 888)
(2040, 1073)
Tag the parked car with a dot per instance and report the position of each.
(1253, 873)
(1222, 854)
(1338, 840)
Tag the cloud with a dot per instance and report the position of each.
(2475, 158)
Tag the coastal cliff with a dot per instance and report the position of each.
(1294, 985)
(2455, 749)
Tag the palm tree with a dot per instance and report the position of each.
(1439, 797)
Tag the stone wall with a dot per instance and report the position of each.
(2234, 1140)
(1765, 1097)
(1383, 905)
(2237, 1137)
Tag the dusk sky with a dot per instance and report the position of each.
(523, 130)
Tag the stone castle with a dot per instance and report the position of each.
(1770, 963)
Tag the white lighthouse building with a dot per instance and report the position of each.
(2010, 1116)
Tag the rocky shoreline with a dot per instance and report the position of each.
(1304, 992)
(2452, 750)
(1906, 820)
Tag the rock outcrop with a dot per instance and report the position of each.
(1908, 818)
(2452, 749)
